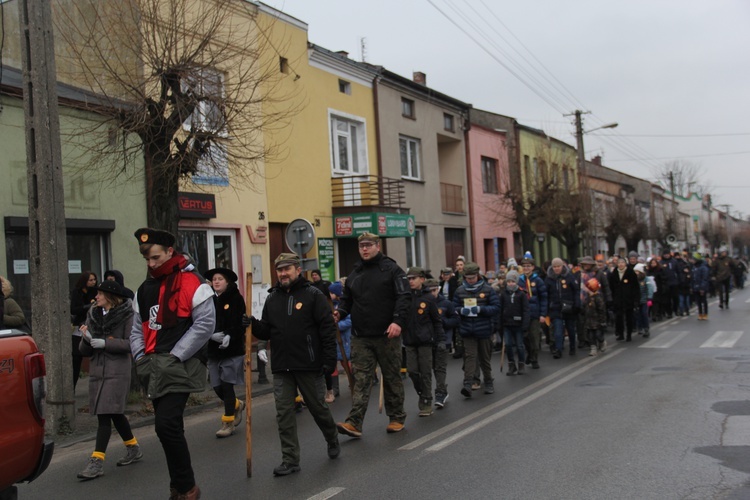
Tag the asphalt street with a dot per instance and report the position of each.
(666, 417)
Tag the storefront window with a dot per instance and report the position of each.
(209, 248)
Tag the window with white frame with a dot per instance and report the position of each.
(348, 145)
(409, 149)
(489, 175)
(415, 248)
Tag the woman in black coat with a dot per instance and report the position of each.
(81, 298)
(625, 297)
(226, 349)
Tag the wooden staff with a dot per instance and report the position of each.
(249, 375)
(502, 357)
(382, 384)
(344, 359)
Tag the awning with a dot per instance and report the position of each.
(386, 225)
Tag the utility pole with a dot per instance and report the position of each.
(729, 228)
(48, 251)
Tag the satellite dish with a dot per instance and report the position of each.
(300, 236)
(671, 239)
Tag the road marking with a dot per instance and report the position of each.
(330, 492)
(460, 423)
(723, 339)
(664, 340)
(519, 404)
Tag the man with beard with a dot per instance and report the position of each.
(174, 318)
(297, 321)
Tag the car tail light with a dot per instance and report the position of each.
(36, 374)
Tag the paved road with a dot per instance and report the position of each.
(660, 418)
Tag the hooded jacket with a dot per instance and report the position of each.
(480, 324)
(514, 309)
(536, 291)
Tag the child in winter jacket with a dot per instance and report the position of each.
(514, 319)
(595, 317)
(646, 288)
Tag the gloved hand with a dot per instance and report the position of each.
(87, 336)
(263, 356)
(97, 343)
(246, 320)
(218, 337)
(465, 311)
(475, 309)
(225, 342)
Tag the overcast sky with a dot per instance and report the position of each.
(658, 68)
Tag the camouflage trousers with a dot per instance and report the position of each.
(367, 353)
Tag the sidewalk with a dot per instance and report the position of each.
(140, 414)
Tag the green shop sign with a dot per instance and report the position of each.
(383, 224)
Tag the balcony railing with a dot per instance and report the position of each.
(368, 192)
(451, 198)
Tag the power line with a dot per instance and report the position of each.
(688, 156)
(674, 135)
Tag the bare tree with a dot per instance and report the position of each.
(669, 226)
(568, 218)
(685, 176)
(192, 85)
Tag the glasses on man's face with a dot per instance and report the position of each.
(366, 244)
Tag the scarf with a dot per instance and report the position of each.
(101, 325)
(171, 275)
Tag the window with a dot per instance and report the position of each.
(409, 149)
(345, 87)
(407, 107)
(566, 179)
(415, 248)
(348, 146)
(213, 166)
(489, 175)
(448, 123)
(283, 65)
(209, 248)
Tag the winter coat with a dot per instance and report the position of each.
(536, 291)
(514, 309)
(376, 294)
(109, 368)
(80, 302)
(701, 277)
(425, 325)
(13, 316)
(562, 288)
(722, 268)
(594, 312)
(449, 315)
(625, 292)
(299, 324)
(345, 330)
(479, 306)
(684, 276)
(670, 271)
(230, 306)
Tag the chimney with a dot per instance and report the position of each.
(597, 160)
(343, 53)
(419, 78)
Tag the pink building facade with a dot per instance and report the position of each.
(487, 158)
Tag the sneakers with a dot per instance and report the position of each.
(440, 400)
(646, 334)
(334, 449)
(603, 346)
(466, 390)
(521, 368)
(349, 430)
(133, 454)
(285, 469)
(394, 427)
(94, 469)
(425, 412)
(330, 397)
(489, 388)
(227, 429)
(592, 352)
(476, 385)
(238, 412)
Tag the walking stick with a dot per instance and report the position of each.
(344, 359)
(502, 357)
(382, 384)
(249, 376)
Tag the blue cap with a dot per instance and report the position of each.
(527, 255)
(336, 288)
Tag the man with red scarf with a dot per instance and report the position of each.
(174, 319)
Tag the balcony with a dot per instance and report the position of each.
(451, 198)
(367, 193)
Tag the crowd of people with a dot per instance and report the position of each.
(378, 324)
